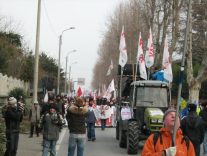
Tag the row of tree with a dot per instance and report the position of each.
(164, 17)
(18, 61)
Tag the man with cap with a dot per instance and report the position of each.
(34, 117)
(193, 126)
(50, 124)
(13, 116)
(164, 144)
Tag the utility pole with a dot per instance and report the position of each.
(36, 66)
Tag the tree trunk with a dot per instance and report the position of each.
(194, 92)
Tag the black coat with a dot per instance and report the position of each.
(193, 126)
(13, 116)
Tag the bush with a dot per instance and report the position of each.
(17, 92)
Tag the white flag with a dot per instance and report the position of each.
(122, 48)
(166, 63)
(140, 59)
(46, 97)
(110, 69)
(149, 56)
(110, 89)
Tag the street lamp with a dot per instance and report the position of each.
(60, 43)
(69, 75)
(67, 66)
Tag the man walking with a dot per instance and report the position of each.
(76, 115)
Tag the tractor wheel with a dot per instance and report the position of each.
(133, 138)
(122, 139)
(117, 131)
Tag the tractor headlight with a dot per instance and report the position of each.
(159, 120)
(154, 120)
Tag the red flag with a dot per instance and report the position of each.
(79, 92)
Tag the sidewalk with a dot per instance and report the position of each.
(29, 146)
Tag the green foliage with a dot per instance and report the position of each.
(12, 38)
(28, 68)
(17, 92)
(48, 64)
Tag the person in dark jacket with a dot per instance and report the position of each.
(13, 115)
(203, 114)
(50, 123)
(76, 117)
(90, 121)
(193, 126)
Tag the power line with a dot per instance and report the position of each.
(48, 18)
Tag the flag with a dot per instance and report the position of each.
(103, 90)
(110, 89)
(122, 48)
(46, 97)
(166, 63)
(110, 69)
(140, 59)
(149, 56)
(99, 92)
(79, 92)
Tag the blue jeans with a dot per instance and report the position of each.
(91, 131)
(103, 124)
(11, 144)
(76, 140)
(205, 143)
(49, 145)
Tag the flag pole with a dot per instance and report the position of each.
(120, 95)
(181, 76)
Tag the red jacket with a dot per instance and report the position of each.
(181, 148)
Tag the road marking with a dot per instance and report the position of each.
(62, 134)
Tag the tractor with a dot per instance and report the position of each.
(146, 103)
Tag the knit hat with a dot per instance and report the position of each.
(12, 101)
(191, 107)
(168, 111)
(53, 106)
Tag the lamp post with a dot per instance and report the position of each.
(60, 43)
(69, 75)
(66, 67)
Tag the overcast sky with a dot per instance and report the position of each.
(89, 18)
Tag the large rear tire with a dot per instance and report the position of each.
(133, 137)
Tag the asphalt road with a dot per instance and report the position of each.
(105, 144)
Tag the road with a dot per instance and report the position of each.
(105, 144)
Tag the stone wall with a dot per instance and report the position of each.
(9, 83)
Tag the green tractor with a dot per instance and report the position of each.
(147, 101)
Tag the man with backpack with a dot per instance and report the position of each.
(193, 126)
(161, 143)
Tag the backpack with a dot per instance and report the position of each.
(158, 134)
